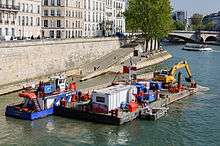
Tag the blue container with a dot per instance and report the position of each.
(140, 87)
(155, 85)
(151, 96)
(49, 88)
(141, 98)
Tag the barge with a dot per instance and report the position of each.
(125, 102)
(153, 111)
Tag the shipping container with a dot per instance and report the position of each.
(155, 85)
(112, 97)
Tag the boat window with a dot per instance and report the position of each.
(100, 99)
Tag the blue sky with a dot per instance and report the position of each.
(197, 6)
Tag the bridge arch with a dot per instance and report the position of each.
(211, 38)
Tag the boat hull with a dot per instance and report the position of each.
(11, 111)
(193, 49)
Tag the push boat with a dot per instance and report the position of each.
(39, 103)
(197, 47)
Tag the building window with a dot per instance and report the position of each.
(58, 34)
(93, 5)
(58, 2)
(23, 6)
(84, 4)
(19, 20)
(0, 31)
(6, 31)
(46, 2)
(52, 12)
(45, 12)
(23, 20)
(51, 34)
(52, 2)
(97, 6)
(13, 32)
(27, 20)
(38, 21)
(58, 13)
(31, 8)
(38, 9)
(45, 23)
(100, 99)
(58, 23)
(27, 8)
(66, 23)
(85, 16)
(89, 17)
(89, 4)
(31, 21)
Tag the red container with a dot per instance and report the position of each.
(72, 86)
(125, 69)
(132, 107)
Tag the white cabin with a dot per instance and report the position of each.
(112, 97)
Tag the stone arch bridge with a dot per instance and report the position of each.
(196, 36)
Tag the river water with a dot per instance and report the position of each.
(191, 121)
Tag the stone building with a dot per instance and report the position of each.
(29, 19)
(8, 15)
(19, 19)
(214, 18)
(94, 16)
(62, 18)
(115, 21)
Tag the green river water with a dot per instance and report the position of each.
(193, 121)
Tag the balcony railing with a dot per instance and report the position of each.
(9, 7)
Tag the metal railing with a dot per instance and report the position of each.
(9, 7)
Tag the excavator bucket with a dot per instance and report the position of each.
(188, 79)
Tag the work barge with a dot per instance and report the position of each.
(120, 103)
(159, 109)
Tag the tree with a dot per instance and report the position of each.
(209, 26)
(179, 25)
(196, 21)
(152, 17)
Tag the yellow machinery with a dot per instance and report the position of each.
(168, 77)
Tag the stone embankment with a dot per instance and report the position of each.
(24, 62)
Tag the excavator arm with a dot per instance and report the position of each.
(182, 64)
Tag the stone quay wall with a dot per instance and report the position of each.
(20, 61)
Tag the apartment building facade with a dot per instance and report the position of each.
(114, 20)
(8, 14)
(28, 22)
(94, 18)
(62, 18)
(19, 18)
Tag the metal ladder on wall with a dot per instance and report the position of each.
(36, 103)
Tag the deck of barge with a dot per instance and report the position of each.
(123, 117)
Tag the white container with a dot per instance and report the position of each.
(113, 96)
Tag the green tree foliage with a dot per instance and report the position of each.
(209, 26)
(179, 25)
(196, 21)
(152, 17)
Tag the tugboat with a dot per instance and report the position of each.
(39, 103)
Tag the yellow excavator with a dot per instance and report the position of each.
(168, 77)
